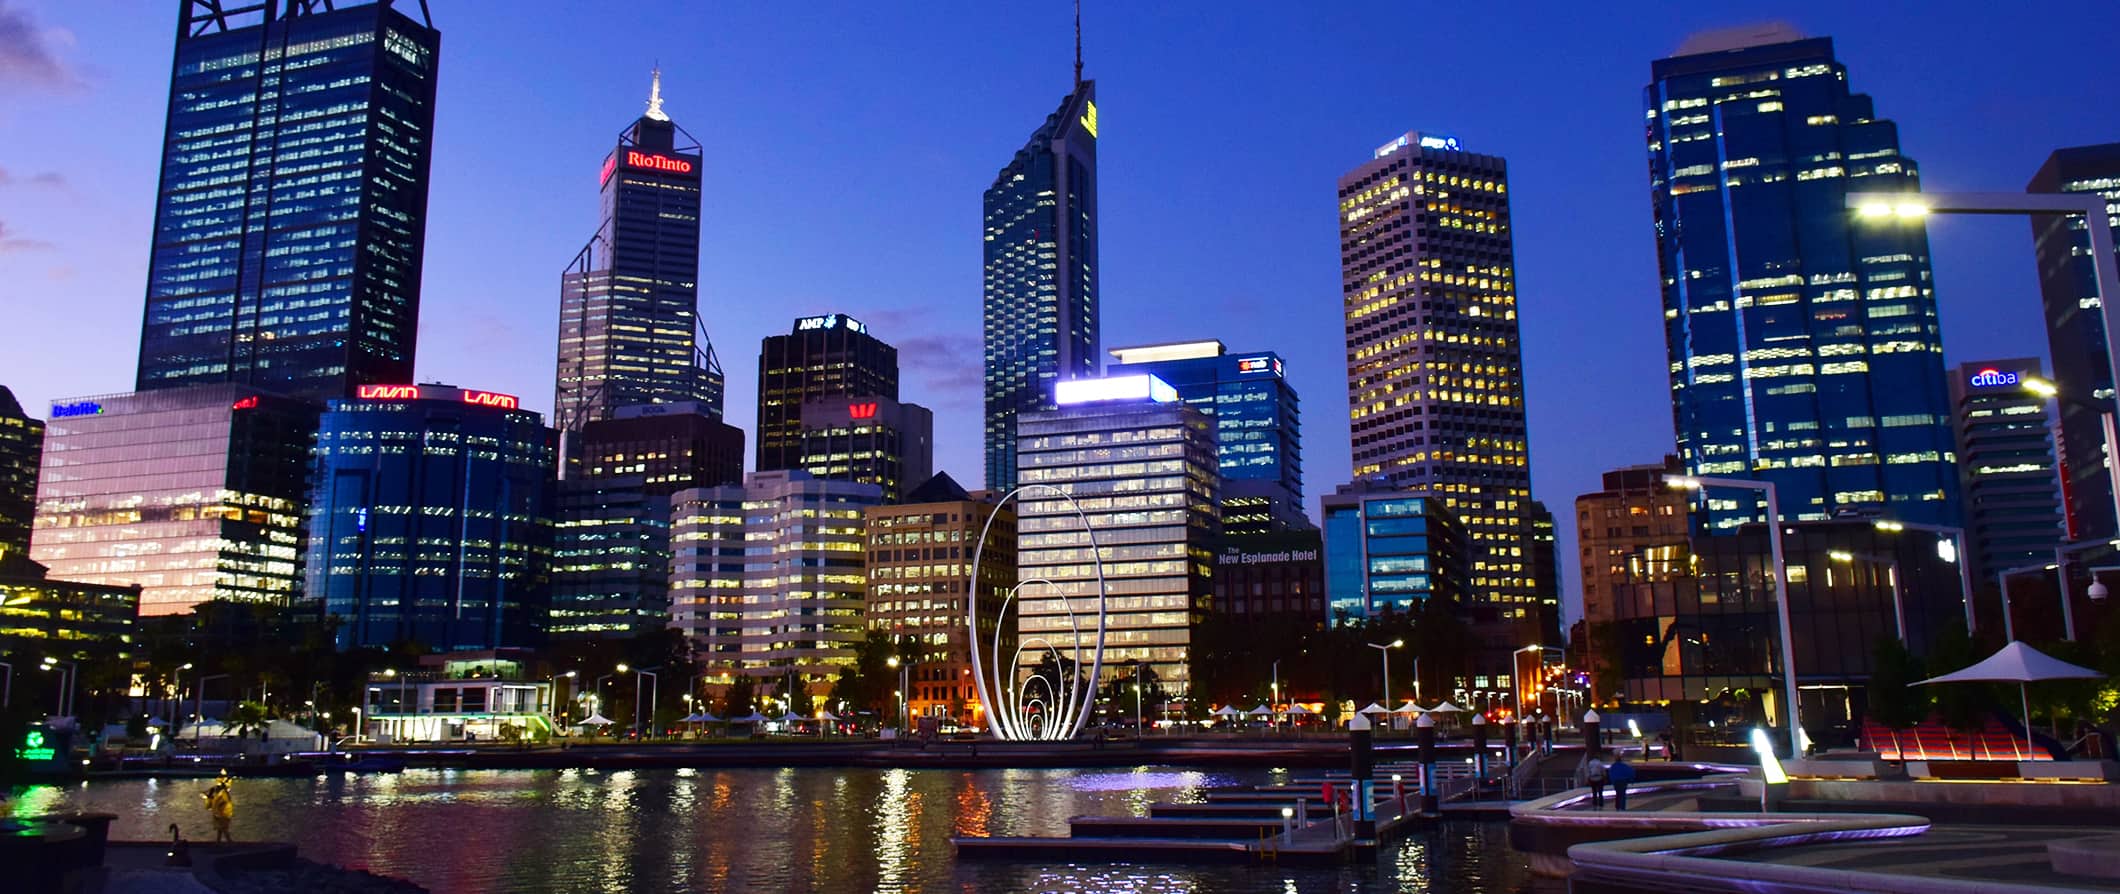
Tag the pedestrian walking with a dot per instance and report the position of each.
(1594, 776)
(221, 806)
(1620, 773)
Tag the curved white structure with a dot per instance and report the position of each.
(1037, 707)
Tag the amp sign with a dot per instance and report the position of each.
(1995, 378)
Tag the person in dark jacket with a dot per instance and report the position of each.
(1620, 773)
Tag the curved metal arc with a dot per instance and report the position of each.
(1002, 724)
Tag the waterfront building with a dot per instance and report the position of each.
(292, 211)
(1393, 550)
(919, 560)
(825, 357)
(2075, 328)
(875, 440)
(1040, 283)
(629, 330)
(1635, 543)
(193, 494)
(1272, 577)
(59, 618)
(1435, 374)
(767, 578)
(2013, 505)
(21, 450)
(1804, 349)
(1541, 547)
(432, 519)
(611, 539)
(1140, 464)
(1258, 429)
(478, 696)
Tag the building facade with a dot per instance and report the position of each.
(193, 494)
(1634, 540)
(432, 519)
(1276, 577)
(1435, 374)
(1258, 426)
(63, 619)
(2013, 507)
(289, 233)
(2075, 329)
(1391, 550)
(830, 356)
(767, 578)
(919, 563)
(21, 451)
(1040, 282)
(629, 330)
(1804, 347)
(611, 538)
(1140, 464)
(874, 440)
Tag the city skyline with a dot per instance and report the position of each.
(1149, 272)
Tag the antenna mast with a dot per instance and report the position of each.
(1078, 44)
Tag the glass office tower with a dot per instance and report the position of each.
(289, 230)
(431, 521)
(629, 331)
(830, 356)
(1258, 430)
(1804, 348)
(1040, 301)
(2075, 328)
(1391, 550)
(21, 448)
(2013, 505)
(193, 494)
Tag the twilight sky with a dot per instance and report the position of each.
(847, 145)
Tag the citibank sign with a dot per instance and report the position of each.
(1995, 378)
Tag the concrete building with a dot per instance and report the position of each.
(1141, 465)
(1435, 374)
(2013, 505)
(767, 578)
(919, 562)
(1635, 549)
(1271, 578)
(2075, 328)
(193, 494)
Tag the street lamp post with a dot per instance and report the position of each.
(1891, 566)
(200, 695)
(552, 709)
(7, 695)
(637, 675)
(1781, 587)
(2060, 568)
(1384, 650)
(905, 692)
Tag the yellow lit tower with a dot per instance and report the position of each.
(1435, 376)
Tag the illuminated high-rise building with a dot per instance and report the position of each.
(1258, 429)
(919, 565)
(1040, 300)
(1435, 374)
(2013, 506)
(2075, 328)
(1804, 347)
(21, 448)
(823, 358)
(292, 212)
(629, 330)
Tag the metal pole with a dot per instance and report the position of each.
(1965, 576)
(2068, 613)
(7, 695)
(1387, 677)
(1781, 604)
(2009, 627)
(1899, 603)
(2097, 225)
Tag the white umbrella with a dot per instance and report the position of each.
(1299, 710)
(1446, 708)
(1227, 711)
(2020, 664)
(1374, 708)
(1260, 711)
(827, 715)
(753, 717)
(596, 719)
(1408, 708)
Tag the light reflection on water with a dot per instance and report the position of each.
(783, 830)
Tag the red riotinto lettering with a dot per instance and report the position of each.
(387, 392)
(655, 162)
(610, 164)
(491, 399)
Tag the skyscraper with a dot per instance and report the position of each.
(289, 232)
(21, 448)
(870, 439)
(1258, 429)
(1804, 349)
(2013, 506)
(1435, 375)
(2075, 328)
(629, 330)
(431, 521)
(830, 356)
(1040, 301)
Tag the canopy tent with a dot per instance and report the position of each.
(827, 716)
(753, 717)
(595, 719)
(1260, 711)
(1226, 711)
(2020, 664)
(1374, 708)
(1446, 708)
(1408, 708)
(1299, 711)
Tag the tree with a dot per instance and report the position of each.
(1893, 699)
(1962, 706)
(742, 698)
(1609, 655)
(867, 683)
(248, 717)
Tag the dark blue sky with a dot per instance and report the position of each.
(847, 146)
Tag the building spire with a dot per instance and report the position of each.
(655, 111)
(1078, 44)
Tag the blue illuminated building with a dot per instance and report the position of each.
(293, 201)
(1040, 292)
(1258, 432)
(1804, 344)
(431, 521)
(1387, 549)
